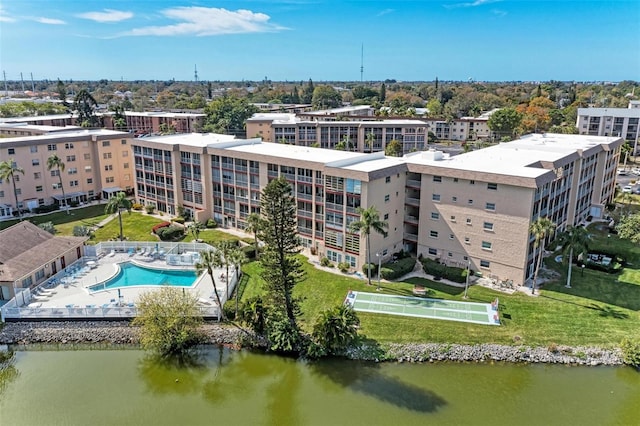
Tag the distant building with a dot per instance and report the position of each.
(622, 122)
(145, 123)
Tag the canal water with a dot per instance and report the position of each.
(223, 387)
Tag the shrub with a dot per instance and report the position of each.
(344, 267)
(393, 270)
(81, 231)
(211, 223)
(336, 330)
(170, 233)
(136, 206)
(179, 220)
(372, 266)
(631, 351)
(160, 226)
(313, 251)
(150, 208)
(46, 209)
(326, 262)
(250, 252)
(74, 203)
(48, 226)
(432, 267)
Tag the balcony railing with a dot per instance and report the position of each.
(412, 201)
(414, 183)
(410, 219)
(306, 231)
(410, 237)
(304, 213)
(303, 196)
(320, 234)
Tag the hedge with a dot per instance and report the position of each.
(373, 266)
(398, 268)
(46, 209)
(159, 226)
(250, 252)
(432, 267)
(170, 233)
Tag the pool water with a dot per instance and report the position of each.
(134, 275)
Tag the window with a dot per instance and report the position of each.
(433, 234)
(1, 194)
(455, 180)
(33, 149)
(492, 186)
(106, 143)
(71, 158)
(486, 245)
(11, 151)
(19, 191)
(108, 167)
(470, 201)
(386, 198)
(73, 183)
(68, 145)
(73, 171)
(90, 181)
(37, 175)
(56, 185)
(433, 252)
(487, 226)
(451, 236)
(449, 254)
(106, 155)
(435, 197)
(87, 156)
(39, 188)
(386, 216)
(484, 263)
(454, 199)
(52, 147)
(435, 216)
(467, 240)
(490, 206)
(87, 169)
(40, 274)
(27, 282)
(125, 153)
(125, 165)
(437, 178)
(472, 182)
(387, 179)
(35, 162)
(123, 142)
(453, 218)
(385, 252)
(351, 260)
(109, 180)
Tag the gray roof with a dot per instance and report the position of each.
(24, 248)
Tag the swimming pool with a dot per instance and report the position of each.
(131, 274)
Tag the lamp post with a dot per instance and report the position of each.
(466, 284)
(379, 273)
(582, 270)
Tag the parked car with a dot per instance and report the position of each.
(627, 189)
(622, 172)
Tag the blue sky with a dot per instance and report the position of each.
(296, 40)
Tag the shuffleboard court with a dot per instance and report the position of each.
(478, 313)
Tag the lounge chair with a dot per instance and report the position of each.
(131, 251)
(111, 253)
(143, 251)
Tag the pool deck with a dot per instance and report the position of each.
(77, 294)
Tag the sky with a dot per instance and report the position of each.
(325, 40)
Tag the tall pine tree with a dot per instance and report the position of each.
(281, 268)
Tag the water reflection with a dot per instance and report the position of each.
(173, 375)
(366, 378)
(8, 371)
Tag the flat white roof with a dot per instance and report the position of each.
(515, 158)
(293, 152)
(609, 112)
(192, 139)
(164, 114)
(36, 118)
(62, 134)
(40, 127)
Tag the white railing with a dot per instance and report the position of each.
(78, 312)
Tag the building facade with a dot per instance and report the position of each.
(472, 209)
(98, 163)
(619, 122)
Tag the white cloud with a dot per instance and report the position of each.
(498, 12)
(385, 12)
(108, 15)
(471, 4)
(50, 21)
(204, 21)
(4, 17)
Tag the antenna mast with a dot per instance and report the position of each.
(195, 73)
(362, 63)
(33, 86)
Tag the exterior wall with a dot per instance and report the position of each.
(623, 122)
(156, 175)
(84, 167)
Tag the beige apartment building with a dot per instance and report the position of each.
(98, 163)
(140, 123)
(620, 122)
(472, 209)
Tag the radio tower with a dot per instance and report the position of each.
(195, 73)
(362, 63)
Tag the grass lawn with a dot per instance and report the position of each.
(64, 222)
(211, 236)
(600, 314)
(135, 227)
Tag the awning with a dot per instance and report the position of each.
(69, 195)
(112, 189)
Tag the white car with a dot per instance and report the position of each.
(627, 189)
(622, 172)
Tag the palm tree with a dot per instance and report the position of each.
(195, 228)
(541, 228)
(254, 222)
(224, 249)
(117, 203)
(369, 221)
(209, 260)
(237, 259)
(368, 141)
(574, 239)
(8, 170)
(55, 162)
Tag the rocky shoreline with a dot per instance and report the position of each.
(121, 333)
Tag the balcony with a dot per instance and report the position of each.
(304, 213)
(302, 196)
(271, 173)
(304, 179)
(412, 201)
(410, 219)
(414, 183)
(332, 206)
(334, 225)
(410, 237)
(305, 231)
(320, 235)
(319, 216)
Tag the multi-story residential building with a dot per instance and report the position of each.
(476, 208)
(472, 209)
(141, 123)
(98, 163)
(622, 122)
(58, 120)
(364, 133)
(24, 129)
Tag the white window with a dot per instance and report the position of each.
(39, 188)
(68, 145)
(435, 197)
(486, 245)
(73, 171)
(468, 221)
(485, 263)
(467, 240)
(454, 199)
(33, 148)
(433, 234)
(453, 218)
(433, 252)
(386, 198)
(437, 178)
(52, 147)
(109, 180)
(451, 236)
(435, 216)
(35, 162)
(492, 186)
(490, 206)
(470, 201)
(487, 226)
(106, 143)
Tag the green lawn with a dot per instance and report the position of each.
(601, 312)
(135, 227)
(210, 236)
(64, 222)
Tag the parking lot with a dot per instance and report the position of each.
(625, 177)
